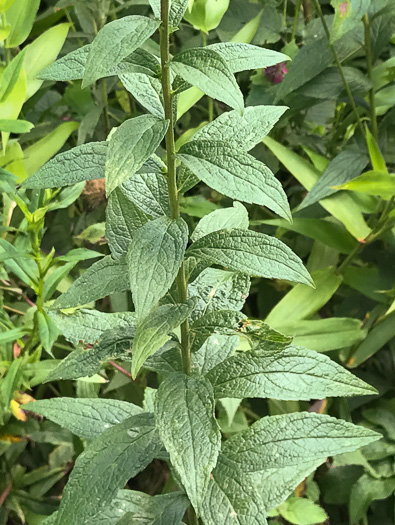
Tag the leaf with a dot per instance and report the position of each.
(214, 351)
(85, 162)
(184, 413)
(292, 374)
(114, 457)
(103, 278)
(123, 220)
(149, 192)
(365, 490)
(146, 90)
(15, 126)
(152, 332)
(344, 167)
(235, 174)
(302, 302)
(16, 262)
(291, 439)
(242, 131)
(252, 253)
(218, 321)
(154, 259)
(10, 108)
(302, 511)
(114, 42)
(207, 70)
(225, 218)
(376, 157)
(218, 290)
(346, 20)
(10, 75)
(47, 330)
(378, 183)
(89, 325)
(86, 418)
(69, 67)
(20, 17)
(10, 382)
(240, 57)
(130, 146)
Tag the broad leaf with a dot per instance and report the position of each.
(114, 42)
(252, 253)
(214, 351)
(87, 418)
(302, 511)
(216, 322)
(292, 374)
(223, 219)
(291, 439)
(153, 331)
(154, 258)
(239, 56)
(207, 70)
(103, 278)
(184, 413)
(348, 14)
(85, 162)
(146, 90)
(149, 192)
(69, 67)
(130, 146)
(105, 466)
(235, 174)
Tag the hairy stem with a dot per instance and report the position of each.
(372, 101)
(171, 169)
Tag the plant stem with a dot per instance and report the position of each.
(285, 7)
(372, 101)
(105, 104)
(171, 170)
(210, 105)
(308, 15)
(296, 19)
(339, 67)
(192, 518)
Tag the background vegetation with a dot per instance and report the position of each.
(340, 91)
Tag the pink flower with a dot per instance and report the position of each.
(276, 73)
(343, 7)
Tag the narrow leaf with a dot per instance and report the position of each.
(223, 219)
(240, 56)
(69, 67)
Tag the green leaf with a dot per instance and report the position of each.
(225, 218)
(69, 67)
(302, 511)
(214, 351)
(85, 162)
(15, 126)
(154, 258)
(243, 131)
(252, 253)
(292, 439)
(235, 174)
(218, 321)
(376, 157)
(146, 90)
(10, 382)
(378, 183)
(89, 325)
(114, 457)
(262, 337)
(149, 192)
(365, 490)
(47, 330)
(152, 332)
(130, 146)
(114, 42)
(292, 374)
(346, 19)
(240, 57)
(103, 278)
(20, 17)
(86, 418)
(123, 220)
(184, 413)
(10, 75)
(207, 70)
(17, 262)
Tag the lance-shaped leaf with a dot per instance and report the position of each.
(103, 278)
(153, 331)
(252, 253)
(184, 413)
(114, 344)
(218, 321)
(207, 70)
(130, 146)
(243, 131)
(292, 374)
(222, 219)
(378, 183)
(215, 350)
(154, 258)
(240, 56)
(146, 90)
(235, 174)
(114, 457)
(85, 162)
(114, 42)
(69, 67)
(87, 418)
(123, 219)
(291, 439)
(149, 191)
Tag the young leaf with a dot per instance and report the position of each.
(130, 146)
(10, 75)
(15, 126)
(154, 258)
(85, 162)
(103, 278)
(105, 466)
(252, 253)
(378, 183)
(69, 67)
(214, 351)
(184, 413)
(302, 511)
(149, 192)
(292, 374)
(239, 56)
(223, 219)
(47, 330)
(152, 332)
(376, 157)
(20, 17)
(86, 418)
(208, 71)
(292, 439)
(114, 42)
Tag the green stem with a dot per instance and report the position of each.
(171, 169)
(369, 63)
(105, 104)
(296, 19)
(308, 15)
(339, 67)
(285, 7)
